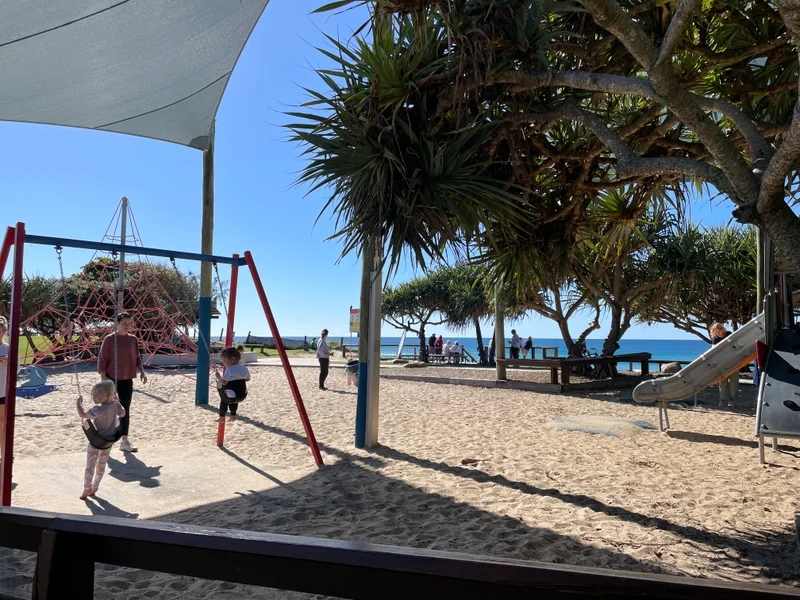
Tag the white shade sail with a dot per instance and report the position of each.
(151, 68)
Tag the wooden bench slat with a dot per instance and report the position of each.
(331, 567)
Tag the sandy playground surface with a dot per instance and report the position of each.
(460, 468)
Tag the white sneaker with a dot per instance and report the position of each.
(126, 446)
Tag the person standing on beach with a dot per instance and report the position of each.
(120, 361)
(528, 347)
(516, 342)
(728, 387)
(324, 356)
(432, 344)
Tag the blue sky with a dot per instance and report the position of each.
(67, 182)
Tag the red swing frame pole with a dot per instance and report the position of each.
(229, 334)
(13, 361)
(5, 249)
(232, 302)
(298, 399)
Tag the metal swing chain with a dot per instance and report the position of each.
(115, 300)
(200, 336)
(221, 292)
(68, 334)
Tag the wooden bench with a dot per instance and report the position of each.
(68, 546)
(565, 364)
(256, 341)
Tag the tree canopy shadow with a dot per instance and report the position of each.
(764, 550)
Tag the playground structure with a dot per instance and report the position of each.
(728, 356)
(772, 339)
(163, 299)
(16, 238)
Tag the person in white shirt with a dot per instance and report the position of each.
(456, 352)
(516, 342)
(232, 384)
(324, 357)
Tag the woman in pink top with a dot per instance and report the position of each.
(122, 374)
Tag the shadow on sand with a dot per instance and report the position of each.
(134, 470)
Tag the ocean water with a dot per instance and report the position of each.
(683, 350)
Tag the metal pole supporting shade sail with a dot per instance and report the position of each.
(151, 68)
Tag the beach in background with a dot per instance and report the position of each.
(679, 350)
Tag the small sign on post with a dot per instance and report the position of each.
(355, 320)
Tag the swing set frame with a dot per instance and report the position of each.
(16, 238)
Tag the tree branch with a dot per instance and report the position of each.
(738, 54)
(631, 165)
(610, 15)
(781, 166)
(676, 30)
(576, 305)
(645, 287)
(619, 84)
(787, 156)
(594, 288)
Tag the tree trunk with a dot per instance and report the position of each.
(31, 343)
(423, 344)
(610, 345)
(563, 327)
(479, 335)
(781, 225)
(578, 349)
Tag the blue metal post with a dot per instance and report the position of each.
(361, 402)
(206, 247)
(203, 357)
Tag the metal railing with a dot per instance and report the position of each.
(410, 352)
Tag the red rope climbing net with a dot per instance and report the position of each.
(161, 301)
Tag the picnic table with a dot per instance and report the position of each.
(565, 364)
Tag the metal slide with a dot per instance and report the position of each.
(730, 355)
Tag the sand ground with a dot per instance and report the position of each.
(693, 501)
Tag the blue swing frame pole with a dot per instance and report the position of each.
(44, 240)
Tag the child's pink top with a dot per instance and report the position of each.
(106, 417)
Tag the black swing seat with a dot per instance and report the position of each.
(238, 387)
(97, 440)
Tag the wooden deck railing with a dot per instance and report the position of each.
(69, 546)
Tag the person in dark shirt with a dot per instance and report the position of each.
(124, 347)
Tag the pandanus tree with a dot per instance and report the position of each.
(401, 168)
(536, 267)
(468, 298)
(713, 279)
(416, 304)
(618, 260)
